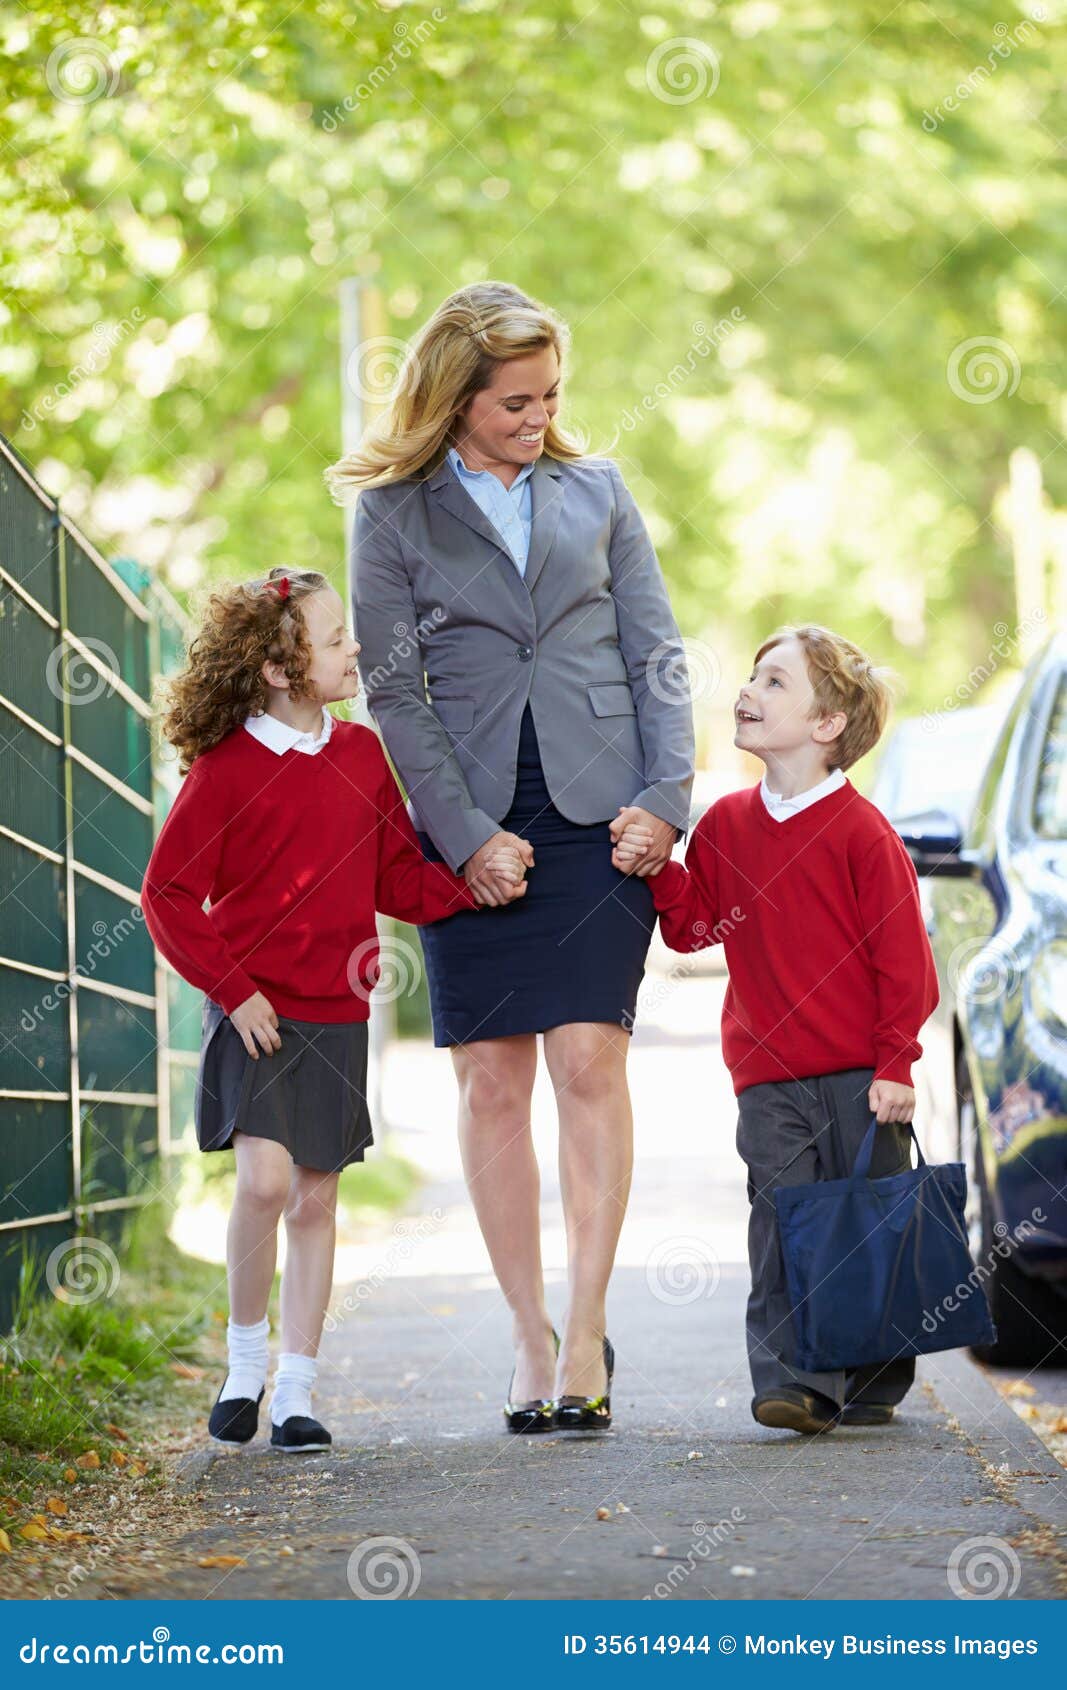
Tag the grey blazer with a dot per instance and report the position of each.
(455, 642)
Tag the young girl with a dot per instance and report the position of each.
(290, 821)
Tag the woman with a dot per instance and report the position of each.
(514, 625)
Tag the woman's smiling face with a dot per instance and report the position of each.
(505, 423)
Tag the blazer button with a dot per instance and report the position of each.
(524, 653)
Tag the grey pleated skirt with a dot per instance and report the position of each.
(311, 1095)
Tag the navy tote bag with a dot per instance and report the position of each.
(879, 1268)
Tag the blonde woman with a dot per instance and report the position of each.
(514, 625)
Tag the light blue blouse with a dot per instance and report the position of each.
(509, 509)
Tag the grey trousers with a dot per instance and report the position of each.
(792, 1132)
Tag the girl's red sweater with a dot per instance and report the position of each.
(295, 852)
(830, 965)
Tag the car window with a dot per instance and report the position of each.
(1050, 794)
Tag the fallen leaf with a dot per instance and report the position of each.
(138, 1467)
(70, 1475)
(221, 1561)
(5, 1543)
(89, 1459)
(10, 1504)
(36, 1533)
(603, 1513)
(117, 1432)
(56, 1505)
(119, 1458)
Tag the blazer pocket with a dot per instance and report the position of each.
(455, 714)
(612, 698)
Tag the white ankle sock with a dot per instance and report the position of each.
(247, 1347)
(292, 1387)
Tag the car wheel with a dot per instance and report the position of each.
(1030, 1318)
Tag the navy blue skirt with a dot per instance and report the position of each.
(573, 949)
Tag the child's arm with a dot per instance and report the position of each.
(687, 898)
(179, 877)
(905, 978)
(408, 887)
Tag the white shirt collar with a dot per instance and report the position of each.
(280, 737)
(782, 808)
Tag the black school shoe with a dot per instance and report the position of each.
(299, 1435)
(794, 1410)
(235, 1421)
(867, 1413)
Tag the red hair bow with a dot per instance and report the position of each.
(281, 586)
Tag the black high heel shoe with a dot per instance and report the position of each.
(535, 1416)
(587, 1414)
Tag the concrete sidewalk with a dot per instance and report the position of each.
(687, 1498)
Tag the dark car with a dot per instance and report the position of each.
(997, 1045)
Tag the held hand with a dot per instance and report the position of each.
(507, 865)
(489, 887)
(632, 845)
(891, 1102)
(658, 849)
(255, 1020)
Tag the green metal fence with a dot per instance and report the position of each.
(84, 1064)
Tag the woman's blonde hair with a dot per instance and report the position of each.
(454, 356)
(244, 625)
(842, 678)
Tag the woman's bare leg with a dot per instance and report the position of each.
(496, 1079)
(263, 1173)
(307, 1279)
(587, 1062)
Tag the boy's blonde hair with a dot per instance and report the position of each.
(843, 678)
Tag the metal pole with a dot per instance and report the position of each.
(362, 311)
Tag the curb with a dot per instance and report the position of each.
(961, 1388)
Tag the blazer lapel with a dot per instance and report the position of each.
(546, 499)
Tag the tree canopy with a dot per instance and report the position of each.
(812, 258)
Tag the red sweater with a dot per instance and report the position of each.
(296, 852)
(830, 965)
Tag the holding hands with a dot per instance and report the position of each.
(496, 873)
(642, 841)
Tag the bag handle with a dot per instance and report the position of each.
(862, 1167)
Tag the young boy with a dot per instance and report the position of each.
(815, 899)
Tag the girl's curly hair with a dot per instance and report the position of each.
(245, 624)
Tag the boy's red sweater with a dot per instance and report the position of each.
(295, 852)
(830, 965)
